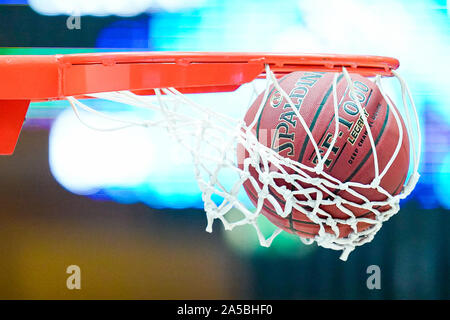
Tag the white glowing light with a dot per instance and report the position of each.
(84, 160)
(129, 165)
(383, 27)
(448, 8)
(109, 7)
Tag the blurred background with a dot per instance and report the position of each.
(122, 206)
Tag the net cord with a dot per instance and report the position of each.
(212, 139)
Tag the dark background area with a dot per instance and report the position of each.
(27, 28)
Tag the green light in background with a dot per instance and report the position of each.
(245, 241)
(43, 51)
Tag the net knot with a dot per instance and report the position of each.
(351, 221)
(343, 186)
(331, 222)
(255, 160)
(375, 182)
(288, 195)
(265, 178)
(337, 201)
(318, 169)
(315, 181)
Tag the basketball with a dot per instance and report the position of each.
(351, 158)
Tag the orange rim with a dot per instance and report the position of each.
(37, 78)
(56, 76)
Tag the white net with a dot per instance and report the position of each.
(213, 139)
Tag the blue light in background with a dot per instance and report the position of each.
(129, 33)
(443, 182)
(13, 1)
(224, 26)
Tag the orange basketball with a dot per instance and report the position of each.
(351, 158)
